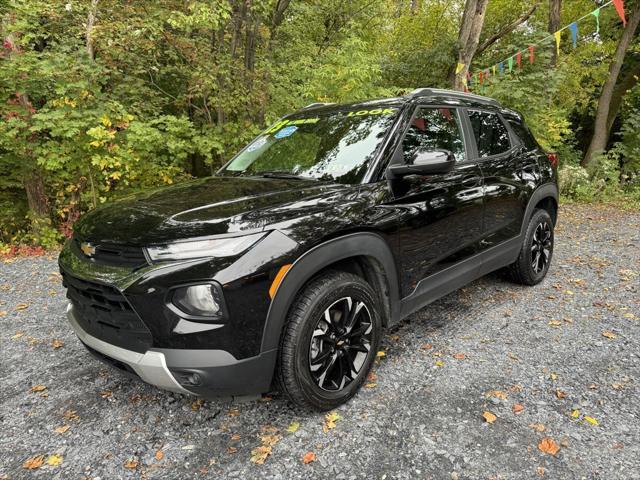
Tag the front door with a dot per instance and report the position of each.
(440, 215)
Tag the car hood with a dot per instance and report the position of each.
(208, 206)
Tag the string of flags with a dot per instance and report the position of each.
(516, 59)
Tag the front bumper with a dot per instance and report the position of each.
(219, 372)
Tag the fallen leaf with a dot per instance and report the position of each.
(62, 429)
(564, 442)
(270, 440)
(131, 464)
(560, 394)
(381, 354)
(260, 454)
(3, 313)
(498, 394)
(439, 363)
(372, 377)
(196, 404)
(370, 385)
(232, 450)
(517, 408)
(106, 393)
(591, 420)
(555, 323)
(159, 455)
(330, 420)
(538, 427)
(553, 376)
(234, 412)
(617, 386)
(608, 334)
(489, 417)
(17, 335)
(293, 428)
(33, 462)
(459, 356)
(549, 446)
(575, 413)
(54, 460)
(71, 415)
(540, 471)
(38, 388)
(22, 306)
(235, 437)
(426, 346)
(309, 457)
(55, 343)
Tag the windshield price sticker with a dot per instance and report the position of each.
(284, 123)
(286, 132)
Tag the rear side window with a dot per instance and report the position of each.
(434, 129)
(491, 134)
(523, 134)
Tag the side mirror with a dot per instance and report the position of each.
(426, 162)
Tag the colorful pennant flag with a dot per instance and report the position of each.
(596, 13)
(619, 4)
(510, 61)
(501, 67)
(519, 59)
(459, 68)
(494, 70)
(531, 49)
(558, 37)
(574, 33)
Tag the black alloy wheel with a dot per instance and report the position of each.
(340, 344)
(541, 247)
(330, 341)
(536, 252)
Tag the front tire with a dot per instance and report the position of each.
(330, 341)
(535, 255)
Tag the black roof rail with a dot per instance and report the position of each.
(317, 104)
(427, 92)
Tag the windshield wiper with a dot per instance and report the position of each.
(287, 175)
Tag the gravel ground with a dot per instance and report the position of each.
(565, 353)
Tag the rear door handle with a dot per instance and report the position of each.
(471, 181)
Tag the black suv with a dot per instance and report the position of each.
(337, 221)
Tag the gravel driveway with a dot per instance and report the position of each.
(559, 361)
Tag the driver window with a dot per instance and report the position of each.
(434, 129)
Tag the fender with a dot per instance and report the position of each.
(355, 244)
(540, 193)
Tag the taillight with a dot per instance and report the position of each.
(553, 158)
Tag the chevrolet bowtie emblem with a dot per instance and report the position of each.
(88, 249)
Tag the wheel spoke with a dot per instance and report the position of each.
(324, 372)
(322, 356)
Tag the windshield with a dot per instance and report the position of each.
(334, 146)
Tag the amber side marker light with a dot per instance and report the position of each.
(276, 281)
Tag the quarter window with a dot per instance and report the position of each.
(490, 133)
(434, 129)
(524, 134)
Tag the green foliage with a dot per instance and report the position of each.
(157, 92)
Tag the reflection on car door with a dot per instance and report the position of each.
(504, 188)
(440, 215)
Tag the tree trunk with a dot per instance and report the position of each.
(36, 195)
(554, 25)
(601, 124)
(91, 20)
(628, 80)
(468, 38)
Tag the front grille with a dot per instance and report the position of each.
(115, 254)
(103, 312)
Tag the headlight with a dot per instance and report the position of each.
(222, 247)
(202, 300)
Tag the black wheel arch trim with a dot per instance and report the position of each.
(367, 244)
(548, 190)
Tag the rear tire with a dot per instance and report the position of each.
(329, 342)
(535, 255)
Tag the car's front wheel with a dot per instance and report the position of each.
(330, 341)
(536, 252)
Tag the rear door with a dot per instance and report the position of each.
(505, 184)
(441, 220)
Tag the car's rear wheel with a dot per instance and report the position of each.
(330, 341)
(533, 262)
